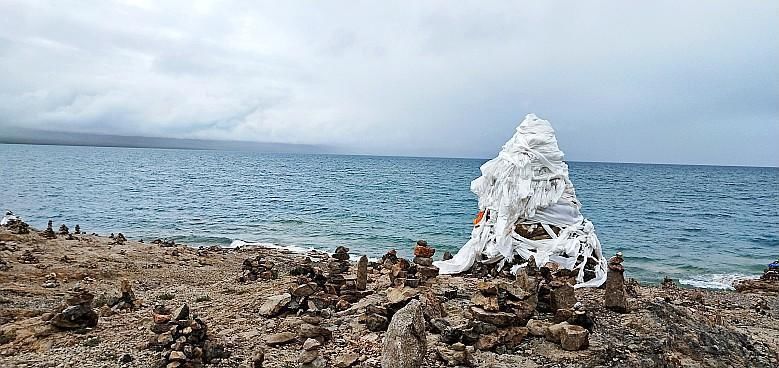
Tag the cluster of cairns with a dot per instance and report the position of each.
(119, 239)
(317, 292)
(182, 339)
(76, 313)
(15, 224)
(256, 268)
(164, 243)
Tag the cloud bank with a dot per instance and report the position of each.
(680, 82)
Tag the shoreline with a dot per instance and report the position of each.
(665, 326)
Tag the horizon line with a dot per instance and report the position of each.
(336, 153)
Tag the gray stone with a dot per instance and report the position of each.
(615, 296)
(405, 344)
(362, 273)
(275, 304)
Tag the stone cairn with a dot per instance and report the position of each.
(4, 266)
(256, 268)
(615, 296)
(63, 230)
(126, 299)
(49, 232)
(423, 258)
(555, 287)
(28, 258)
(51, 281)
(76, 312)
(310, 357)
(77, 230)
(183, 339)
(119, 239)
(164, 243)
(16, 226)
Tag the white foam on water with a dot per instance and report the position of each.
(292, 248)
(721, 281)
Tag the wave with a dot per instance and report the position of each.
(291, 247)
(721, 281)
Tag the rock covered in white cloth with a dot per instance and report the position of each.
(528, 183)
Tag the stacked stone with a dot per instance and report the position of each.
(499, 311)
(76, 312)
(164, 243)
(337, 267)
(182, 339)
(310, 356)
(423, 258)
(28, 258)
(555, 288)
(376, 318)
(63, 230)
(49, 232)
(4, 266)
(77, 230)
(615, 296)
(51, 281)
(311, 328)
(127, 299)
(257, 268)
(404, 273)
(118, 239)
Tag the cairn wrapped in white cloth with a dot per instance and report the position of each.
(528, 184)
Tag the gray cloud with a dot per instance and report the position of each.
(677, 82)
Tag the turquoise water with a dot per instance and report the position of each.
(702, 224)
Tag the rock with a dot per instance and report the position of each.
(346, 360)
(487, 288)
(405, 344)
(319, 362)
(258, 357)
(486, 342)
(311, 344)
(401, 294)
(307, 331)
(512, 337)
(554, 332)
(486, 302)
(182, 313)
(307, 356)
(536, 327)
(500, 319)
(447, 256)
(362, 273)
(376, 322)
(78, 312)
(574, 338)
(275, 305)
(423, 261)
(304, 290)
(280, 338)
(562, 296)
(457, 355)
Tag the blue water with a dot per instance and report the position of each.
(696, 223)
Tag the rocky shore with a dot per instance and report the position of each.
(68, 299)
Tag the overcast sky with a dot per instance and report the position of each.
(677, 82)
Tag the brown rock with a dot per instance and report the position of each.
(500, 319)
(574, 338)
(280, 338)
(401, 294)
(362, 273)
(537, 327)
(615, 296)
(346, 360)
(275, 305)
(486, 302)
(562, 296)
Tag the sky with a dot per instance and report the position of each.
(658, 82)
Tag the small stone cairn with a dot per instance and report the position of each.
(51, 281)
(257, 268)
(310, 356)
(49, 232)
(77, 230)
(16, 226)
(183, 339)
(423, 258)
(76, 313)
(63, 230)
(615, 296)
(28, 258)
(119, 239)
(555, 287)
(127, 298)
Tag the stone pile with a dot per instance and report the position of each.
(164, 243)
(119, 239)
(256, 268)
(310, 357)
(423, 258)
(15, 225)
(51, 281)
(28, 258)
(183, 339)
(127, 298)
(49, 232)
(77, 230)
(555, 288)
(347, 288)
(615, 296)
(76, 312)
(4, 266)
(63, 230)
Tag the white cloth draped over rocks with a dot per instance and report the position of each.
(528, 184)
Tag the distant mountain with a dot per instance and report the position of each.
(43, 137)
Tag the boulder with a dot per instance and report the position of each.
(500, 319)
(537, 327)
(401, 294)
(275, 305)
(405, 344)
(574, 338)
